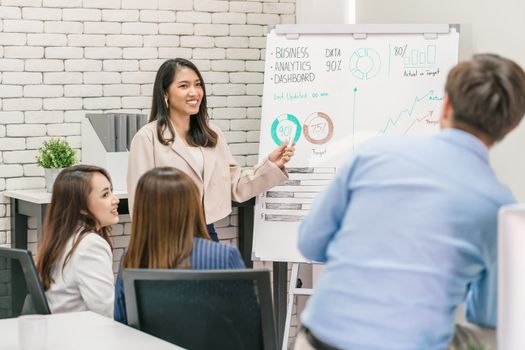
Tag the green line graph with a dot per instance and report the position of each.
(391, 122)
(411, 112)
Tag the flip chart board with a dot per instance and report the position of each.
(331, 88)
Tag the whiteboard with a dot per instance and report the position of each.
(486, 26)
(331, 88)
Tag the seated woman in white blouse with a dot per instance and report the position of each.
(75, 260)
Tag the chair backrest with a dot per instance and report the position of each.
(202, 309)
(20, 286)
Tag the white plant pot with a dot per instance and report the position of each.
(51, 175)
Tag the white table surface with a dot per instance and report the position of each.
(83, 331)
(41, 196)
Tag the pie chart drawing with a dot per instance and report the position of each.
(318, 128)
(365, 63)
(286, 127)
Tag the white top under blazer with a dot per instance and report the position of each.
(86, 282)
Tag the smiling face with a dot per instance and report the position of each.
(185, 93)
(102, 203)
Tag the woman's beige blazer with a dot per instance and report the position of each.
(223, 178)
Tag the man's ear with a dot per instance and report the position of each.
(446, 119)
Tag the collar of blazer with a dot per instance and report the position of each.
(208, 154)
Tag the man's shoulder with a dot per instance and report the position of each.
(390, 143)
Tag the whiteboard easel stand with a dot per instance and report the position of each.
(292, 292)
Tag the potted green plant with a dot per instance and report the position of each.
(53, 156)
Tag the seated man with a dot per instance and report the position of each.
(408, 228)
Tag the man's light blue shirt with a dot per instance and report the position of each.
(408, 231)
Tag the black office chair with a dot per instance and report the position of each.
(20, 286)
(202, 309)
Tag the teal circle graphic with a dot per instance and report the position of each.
(365, 63)
(279, 128)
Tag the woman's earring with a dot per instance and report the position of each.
(166, 100)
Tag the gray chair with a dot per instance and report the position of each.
(202, 309)
(20, 290)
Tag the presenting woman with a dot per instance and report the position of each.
(179, 135)
(75, 261)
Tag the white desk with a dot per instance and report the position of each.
(85, 330)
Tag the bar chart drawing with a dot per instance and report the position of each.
(421, 58)
(291, 200)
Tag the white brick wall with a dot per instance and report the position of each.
(9, 12)
(13, 38)
(157, 16)
(62, 78)
(228, 113)
(228, 89)
(43, 117)
(20, 157)
(22, 26)
(108, 4)
(62, 103)
(62, 58)
(22, 104)
(13, 117)
(229, 17)
(43, 91)
(64, 52)
(246, 6)
(11, 65)
(82, 65)
(120, 15)
(18, 130)
(232, 41)
(211, 29)
(247, 30)
(23, 52)
(46, 39)
(63, 27)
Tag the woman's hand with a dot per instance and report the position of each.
(282, 154)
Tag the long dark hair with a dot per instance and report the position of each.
(68, 213)
(200, 134)
(167, 215)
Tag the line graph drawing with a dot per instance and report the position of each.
(427, 118)
(391, 122)
(406, 121)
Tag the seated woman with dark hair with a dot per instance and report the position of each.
(75, 261)
(169, 232)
